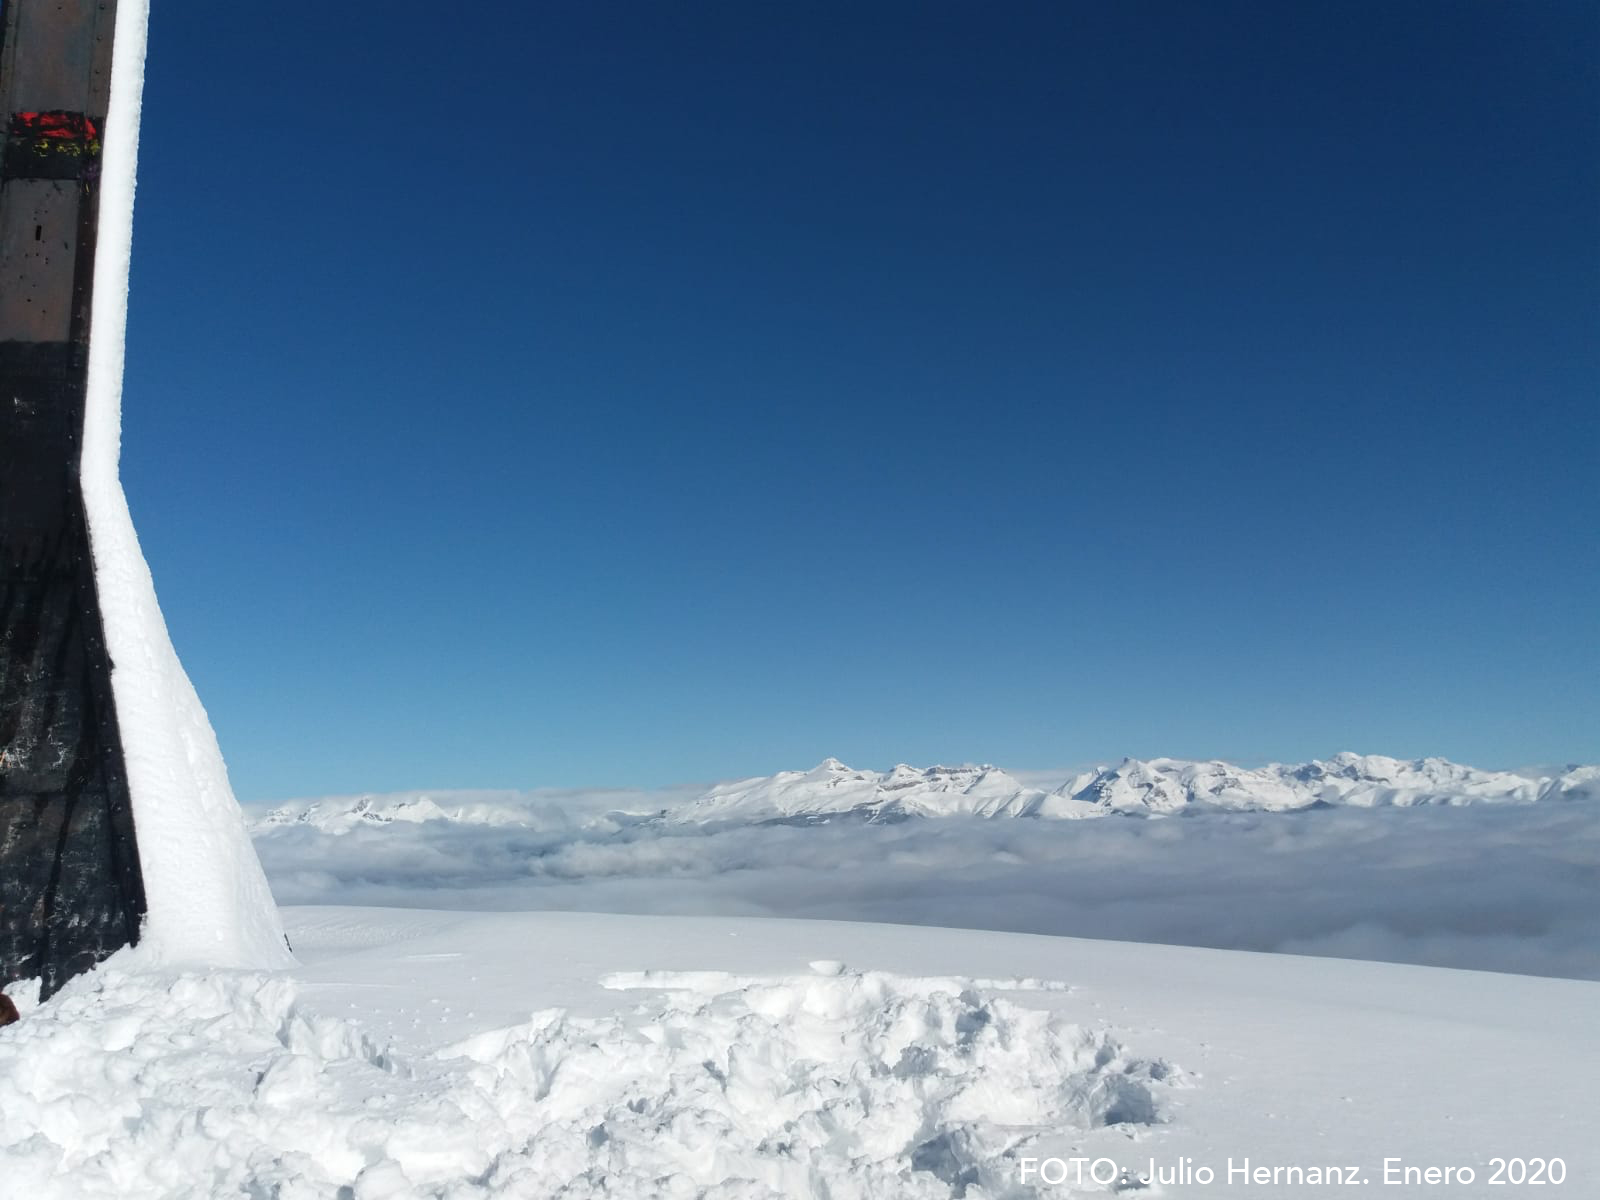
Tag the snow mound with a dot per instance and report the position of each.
(846, 1084)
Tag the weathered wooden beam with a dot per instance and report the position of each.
(71, 890)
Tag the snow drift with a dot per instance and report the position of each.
(838, 1083)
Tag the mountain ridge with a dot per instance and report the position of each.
(1156, 787)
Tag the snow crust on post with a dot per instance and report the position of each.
(208, 901)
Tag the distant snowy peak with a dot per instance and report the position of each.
(341, 814)
(1165, 785)
(1372, 780)
(1168, 785)
(1140, 787)
(1574, 783)
(832, 789)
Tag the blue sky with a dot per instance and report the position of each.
(582, 394)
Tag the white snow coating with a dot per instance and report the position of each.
(208, 902)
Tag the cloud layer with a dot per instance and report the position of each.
(1492, 888)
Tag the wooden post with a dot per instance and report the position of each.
(71, 891)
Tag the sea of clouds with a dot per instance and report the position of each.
(1502, 888)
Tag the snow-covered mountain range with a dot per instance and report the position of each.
(1150, 787)
(833, 791)
(340, 814)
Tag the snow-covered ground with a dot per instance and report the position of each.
(421, 1053)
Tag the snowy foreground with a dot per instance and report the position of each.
(445, 1054)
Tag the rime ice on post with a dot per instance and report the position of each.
(116, 820)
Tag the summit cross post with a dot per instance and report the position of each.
(71, 886)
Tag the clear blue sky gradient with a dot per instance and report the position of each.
(582, 393)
